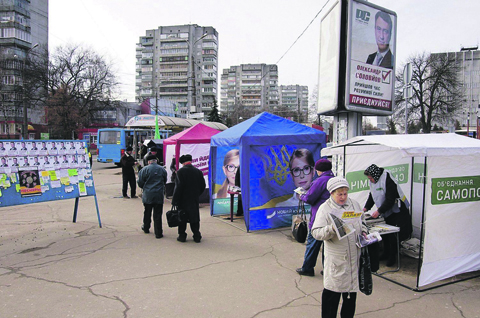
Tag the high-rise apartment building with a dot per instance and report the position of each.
(295, 98)
(179, 63)
(253, 88)
(23, 27)
(468, 61)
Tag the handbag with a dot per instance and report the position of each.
(365, 281)
(173, 217)
(299, 224)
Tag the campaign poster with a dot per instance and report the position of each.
(33, 149)
(34, 161)
(12, 148)
(227, 164)
(55, 160)
(83, 161)
(62, 149)
(43, 150)
(4, 166)
(23, 150)
(64, 162)
(52, 148)
(71, 149)
(3, 150)
(24, 162)
(29, 181)
(274, 175)
(370, 86)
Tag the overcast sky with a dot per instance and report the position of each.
(259, 31)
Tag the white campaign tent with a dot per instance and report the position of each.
(440, 175)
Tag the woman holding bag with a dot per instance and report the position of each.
(340, 278)
(315, 196)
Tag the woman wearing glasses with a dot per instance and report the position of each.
(301, 169)
(231, 162)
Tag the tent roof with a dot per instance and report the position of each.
(265, 126)
(198, 133)
(430, 145)
(166, 122)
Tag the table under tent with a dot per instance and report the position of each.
(440, 175)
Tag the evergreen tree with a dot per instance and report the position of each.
(214, 116)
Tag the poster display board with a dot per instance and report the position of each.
(44, 170)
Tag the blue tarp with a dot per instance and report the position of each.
(262, 146)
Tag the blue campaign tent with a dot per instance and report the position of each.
(262, 146)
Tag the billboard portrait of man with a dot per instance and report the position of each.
(383, 33)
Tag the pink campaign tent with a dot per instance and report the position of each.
(194, 141)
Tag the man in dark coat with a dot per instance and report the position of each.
(128, 174)
(189, 185)
(152, 179)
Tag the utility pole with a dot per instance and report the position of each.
(407, 90)
(193, 101)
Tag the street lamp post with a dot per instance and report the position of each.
(25, 118)
(407, 90)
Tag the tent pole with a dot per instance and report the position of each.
(344, 159)
(420, 252)
(411, 186)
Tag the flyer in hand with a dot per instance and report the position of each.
(371, 238)
(341, 228)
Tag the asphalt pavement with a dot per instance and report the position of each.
(52, 267)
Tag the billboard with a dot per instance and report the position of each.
(371, 59)
(357, 58)
(329, 59)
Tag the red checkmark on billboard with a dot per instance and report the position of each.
(386, 74)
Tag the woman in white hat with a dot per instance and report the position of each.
(340, 276)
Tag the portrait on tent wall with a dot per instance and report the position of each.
(279, 170)
(227, 164)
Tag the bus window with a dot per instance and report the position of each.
(109, 137)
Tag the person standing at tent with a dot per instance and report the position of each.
(340, 276)
(153, 151)
(231, 162)
(173, 169)
(128, 174)
(392, 204)
(301, 166)
(315, 196)
(238, 185)
(189, 185)
(170, 186)
(152, 179)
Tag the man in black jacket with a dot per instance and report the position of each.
(189, 185)
(128, 174)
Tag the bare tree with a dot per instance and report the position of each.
(436, 87)
(312, 108)
(80, 84)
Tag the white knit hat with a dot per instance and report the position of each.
(335, 183)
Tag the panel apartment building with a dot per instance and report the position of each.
(23, 30)
(249, 89)
(468, 61)
(294, 98)
(179, 64)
